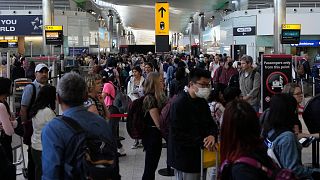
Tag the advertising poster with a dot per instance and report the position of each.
(276, 73)
(20, 25)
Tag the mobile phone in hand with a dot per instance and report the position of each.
(306, 141)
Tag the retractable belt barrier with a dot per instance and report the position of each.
(118, 115)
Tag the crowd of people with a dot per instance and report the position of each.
(216, 100)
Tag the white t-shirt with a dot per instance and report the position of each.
(213, 67)
(38, 122)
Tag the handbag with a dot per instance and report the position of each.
(210, 158)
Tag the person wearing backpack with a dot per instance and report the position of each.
(135, 91)
(79, 144)
(242, 151)
(29, 95)
(41, 113)
(109, 94)
(151, 139)
(249, 81)
(281, 139)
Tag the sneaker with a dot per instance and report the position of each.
(135, 146)
(140, 145)
(121, 152)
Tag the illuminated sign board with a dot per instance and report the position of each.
(290, 33)
(54, 35)
(162, 18)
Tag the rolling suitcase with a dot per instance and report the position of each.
(209, 159)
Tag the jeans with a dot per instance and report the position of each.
(152, 143)
(36, 156)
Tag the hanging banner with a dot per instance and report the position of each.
(162, 18)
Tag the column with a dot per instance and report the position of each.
(201, 28)
(47, 18)
(279, 19)
(118, 27)
(191, 31)
(110, 28)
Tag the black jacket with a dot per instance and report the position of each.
(191, 122)
(241, 171)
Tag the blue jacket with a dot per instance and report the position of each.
(56, 136)
(288, 150)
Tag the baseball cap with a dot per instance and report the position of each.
(39, 67)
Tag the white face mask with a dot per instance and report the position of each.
(203, 93)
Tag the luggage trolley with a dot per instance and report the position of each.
(17, 142)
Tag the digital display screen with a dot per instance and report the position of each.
(291, 33)
(12, 44)
(290, 36)
(3, 44)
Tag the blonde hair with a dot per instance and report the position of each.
(290, 87)
(152, 85)
(91, 81)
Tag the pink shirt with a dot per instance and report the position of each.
(5, 120)
(110, 91)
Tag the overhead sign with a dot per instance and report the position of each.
(290, 33)
(20, 25)
(8, 43)
(162, 18)
(53, 28)
(244, 31)
(54, 35)
(291, 26)
(307, 43)
(276, 73)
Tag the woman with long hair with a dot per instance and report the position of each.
(278, 128)
(7, 120)
(240, 137)
(151, 140)
(41, 112)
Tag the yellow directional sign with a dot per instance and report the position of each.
(291, 26)
(162, 18)
(53, 28)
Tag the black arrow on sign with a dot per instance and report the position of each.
(161, 10)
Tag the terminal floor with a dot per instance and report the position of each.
(132, 165)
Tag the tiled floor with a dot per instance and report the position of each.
(131, 165)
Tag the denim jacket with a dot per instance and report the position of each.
(288, 150)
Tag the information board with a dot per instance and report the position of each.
(276, 73)
(290, 33)
(54, 35)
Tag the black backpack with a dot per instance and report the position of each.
(311, 115)
(135, 119)
(90, 156)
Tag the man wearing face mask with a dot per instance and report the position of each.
(191, 127)
(225, 72)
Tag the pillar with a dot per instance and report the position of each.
(110, 28)
(191, 31)
(201, 28)
(47, 18)
(279, 19)
(118, 30)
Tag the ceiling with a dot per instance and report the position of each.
(139, 14)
